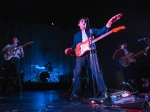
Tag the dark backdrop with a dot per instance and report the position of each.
(32, 21)
(48, 45)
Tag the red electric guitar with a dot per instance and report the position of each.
(83, 47)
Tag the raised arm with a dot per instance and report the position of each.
(113, 19)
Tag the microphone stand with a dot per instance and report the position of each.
(92, 61)
(31, 62)
(148, 41)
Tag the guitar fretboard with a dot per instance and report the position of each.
(98, 38)
(138, 53)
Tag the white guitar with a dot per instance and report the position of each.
(13, 51)
(83, 47)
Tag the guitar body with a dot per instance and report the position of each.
(126, 60)
(12, 53)
(82, 48)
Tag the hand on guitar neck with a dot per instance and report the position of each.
(146, 49)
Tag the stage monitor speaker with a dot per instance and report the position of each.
(126, 100)
(122, 97)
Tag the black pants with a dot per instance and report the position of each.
(94, 65)
(12, 67)
(128, 72)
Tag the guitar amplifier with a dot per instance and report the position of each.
(122, 97)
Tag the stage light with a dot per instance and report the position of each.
(101, 101)
(92, 101)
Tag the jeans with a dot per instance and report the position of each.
(94, 65)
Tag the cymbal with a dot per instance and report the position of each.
(55, 69)
(35, 65)
(40, 68)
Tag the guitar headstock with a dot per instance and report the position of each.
(118, 28)
(147, 48)
(30, 42)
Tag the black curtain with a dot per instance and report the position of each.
(49, 44)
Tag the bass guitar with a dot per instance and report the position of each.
(13, 51)
(129, 58)
(83, 47)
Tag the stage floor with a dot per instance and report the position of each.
(55, 101)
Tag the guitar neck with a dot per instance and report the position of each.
(138, 53)
(100, 37)
(104, 35)
(22, 46)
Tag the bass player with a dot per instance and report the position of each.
(127, 60)
(126, 71)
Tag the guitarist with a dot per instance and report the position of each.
(12, 65)
(82, 36)
(127, 72)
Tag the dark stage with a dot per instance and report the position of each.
(54, 97)
(50, 26)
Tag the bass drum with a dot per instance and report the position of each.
(44, 76)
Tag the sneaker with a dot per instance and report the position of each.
(73, 96)
(104, 95)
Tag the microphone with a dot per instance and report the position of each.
(127, 83)
(124, 82)
(86, 20)
(142, 39)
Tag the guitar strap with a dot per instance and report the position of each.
(91, 33)
(92, 36)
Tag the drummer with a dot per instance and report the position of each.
(49, 67)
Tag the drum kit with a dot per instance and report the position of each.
(44, 74)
